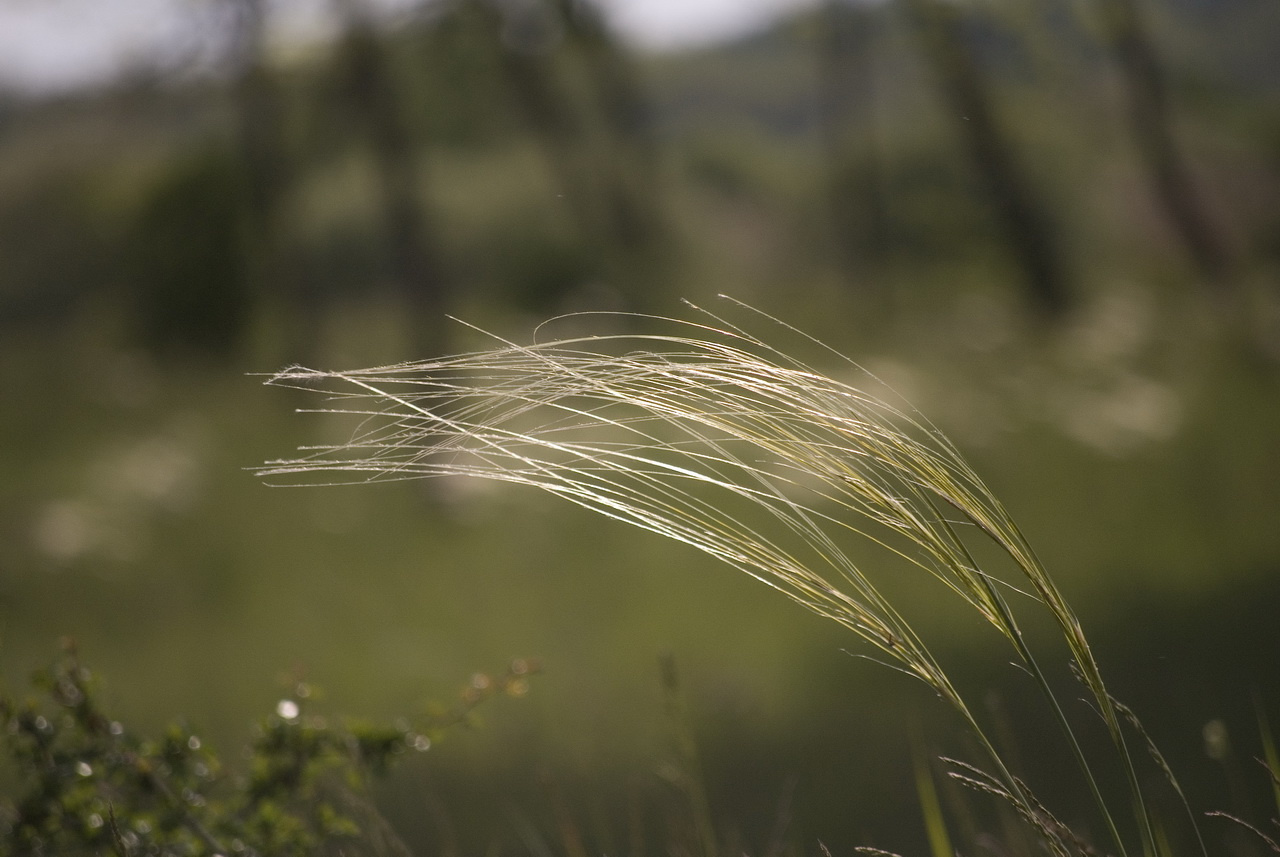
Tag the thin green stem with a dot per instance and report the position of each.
(646, 429)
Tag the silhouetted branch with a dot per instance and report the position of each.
(1150, 115)
(414, 257)
(1026, 223)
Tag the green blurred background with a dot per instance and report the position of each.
(1053, 227)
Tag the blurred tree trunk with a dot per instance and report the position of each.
(1151, 117)
(524, 39)
(1025, 221)
(268, 175)
(258, 113)
(847, 96)
(414, 256)
(633, 180)
(598, 146)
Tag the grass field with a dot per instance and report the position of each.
(133, 526)
(1133, 439)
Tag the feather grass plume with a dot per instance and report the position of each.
(709, 436)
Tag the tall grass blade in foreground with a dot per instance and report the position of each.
(711, 437)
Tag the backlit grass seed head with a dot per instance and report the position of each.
(649, 436)
(640, 427)
(710, 437)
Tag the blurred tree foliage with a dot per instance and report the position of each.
(945, 136)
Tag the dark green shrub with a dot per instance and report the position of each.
(87, 785)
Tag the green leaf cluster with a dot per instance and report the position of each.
(87, 785)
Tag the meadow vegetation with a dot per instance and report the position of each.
(1109, 370)
(714, 438)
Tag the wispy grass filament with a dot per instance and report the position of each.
(704, 435)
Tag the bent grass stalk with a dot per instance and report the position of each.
(692, 435)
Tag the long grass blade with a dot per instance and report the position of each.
(710, 436)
